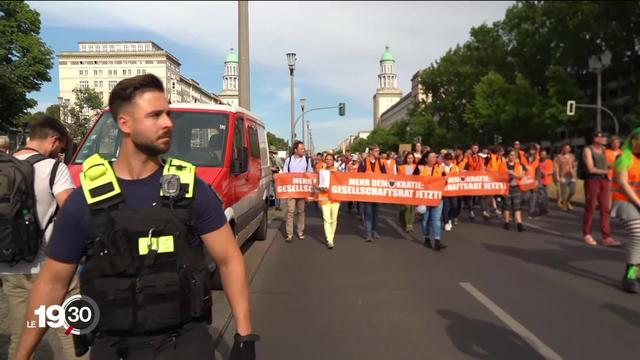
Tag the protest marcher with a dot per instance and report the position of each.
(613, 152)
(566, 167)
(596, 189)
(512, 201)
(408, 212)
(51, 187)
(372, 165)
(531, 162)
(626, 205)
(475, 162)
(390, 163)
(330, 208)
(296, 163)
(417, 151)
(545, 178)
(432, 217)
(451, 204)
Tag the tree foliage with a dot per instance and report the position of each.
(276, 142)
(78, 117)
(25, 60)
(514, 77)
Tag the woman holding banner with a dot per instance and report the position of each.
(432, 217)
(511, 202)
(329, 208)
(451, 204)
(408, 212)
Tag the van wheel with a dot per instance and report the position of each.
(261, 232)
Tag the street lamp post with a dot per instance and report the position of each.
(597, 64)
(291, 60)
(302, 101)
(64, 104)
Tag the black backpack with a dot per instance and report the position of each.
(20, 233)
(581, 170)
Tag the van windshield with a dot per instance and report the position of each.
(198, 137)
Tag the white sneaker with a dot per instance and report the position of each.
(447, 227)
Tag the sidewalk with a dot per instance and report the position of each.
(578, 199)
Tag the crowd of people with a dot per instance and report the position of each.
(595, 166)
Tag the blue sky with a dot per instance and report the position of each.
(338, 45)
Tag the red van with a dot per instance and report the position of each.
(227, 144)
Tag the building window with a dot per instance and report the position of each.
(84, 84)
(101, 95)
(95, 72)
(112, 84)
(128, 71)
(124, 72)
(100, 72)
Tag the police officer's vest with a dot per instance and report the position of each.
(140, 268)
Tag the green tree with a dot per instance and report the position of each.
(79, 116)
(25, 60)
(53, 111)
(276, 142)
(358, 146)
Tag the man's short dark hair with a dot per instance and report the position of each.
(296, 144)
(126, 91)
(44, 126)
(448, 156)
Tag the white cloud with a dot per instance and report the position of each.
(338, 43)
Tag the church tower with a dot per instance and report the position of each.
(387, 93)
(230, 84)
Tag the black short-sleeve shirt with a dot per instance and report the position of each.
(71, 227)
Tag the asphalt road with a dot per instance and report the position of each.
(492, 294)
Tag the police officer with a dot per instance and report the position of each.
(140, 225)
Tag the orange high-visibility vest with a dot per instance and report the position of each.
(495, 162)
(531, 166)
(476, 162)
(633, 174)
(611, 156)
(390, 166)
(319, 166)
(517, 169)
(546, 167)
(376, 166)
(434, 171)
(453, 170)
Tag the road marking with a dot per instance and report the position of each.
(399, 230)
(526, 335)
(544, 229)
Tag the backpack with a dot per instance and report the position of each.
(21, 234)
(582, 171)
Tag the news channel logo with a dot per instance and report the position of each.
(78, 315)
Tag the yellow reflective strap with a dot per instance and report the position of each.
(162, 244)
(185, 170)
(97, 172)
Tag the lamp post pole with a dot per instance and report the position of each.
(291, 60)
(302, 101)
(597, 64)
(243, 52)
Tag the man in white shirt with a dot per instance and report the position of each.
(296, 163)
(52, 185)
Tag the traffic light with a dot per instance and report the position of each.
(341, 109)
(571, 107)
